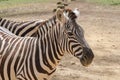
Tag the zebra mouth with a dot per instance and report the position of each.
(87, 57)
(85, 62)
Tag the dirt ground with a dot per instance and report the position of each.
(102, 32)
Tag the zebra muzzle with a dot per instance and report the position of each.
(87, 57)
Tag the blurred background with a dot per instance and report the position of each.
(101, 21)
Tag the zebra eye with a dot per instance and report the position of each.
(67, 26)
(70, 33)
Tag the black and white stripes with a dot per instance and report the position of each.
(27, 28)
(36, 58)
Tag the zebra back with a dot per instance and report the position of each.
(26, 28)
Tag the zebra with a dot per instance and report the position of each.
(23, 29)
(36, 58)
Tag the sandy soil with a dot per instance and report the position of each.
(102, 32)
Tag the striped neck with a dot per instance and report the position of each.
(45, 26)
(49, 46)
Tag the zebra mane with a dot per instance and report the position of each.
(50, 21)
(69, 14)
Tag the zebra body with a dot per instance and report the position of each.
(26, 28)
(25, 59)
(36, 58)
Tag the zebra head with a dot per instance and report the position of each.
(74, 41)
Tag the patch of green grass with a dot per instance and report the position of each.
(106, 2)
(11, 3)
(23, 1)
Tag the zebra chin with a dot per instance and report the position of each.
(87, 57)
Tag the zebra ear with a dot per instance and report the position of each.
(76, 11)
(59, 15)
